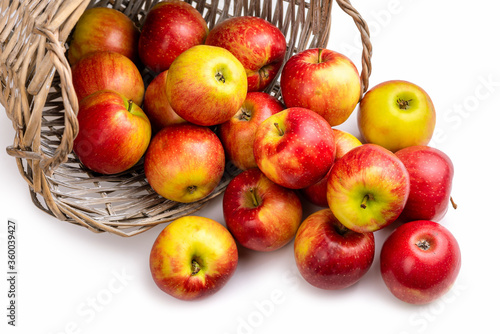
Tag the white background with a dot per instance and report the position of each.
(74, 281)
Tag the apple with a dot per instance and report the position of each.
(193, 257)
(260, 214)
(396, 114)
(431, 177)
(103, 70)
(322, 80)
(420, 261)
(170, 28)
(156, 105)
(206, 85)
(316, 193)
(103, 29)
(294, 147)
(184, 162)
(368, 188)
(330, 256)
(259, 46)
(238, 133)
(114, 133)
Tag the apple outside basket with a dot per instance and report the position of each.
(37, 92)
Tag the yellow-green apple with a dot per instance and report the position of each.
(156, 105)
(103, 70)
(322, 80)
(114, 133)
(396, 114)
(259, 45)
(330, 256)
(368, 188)
(431, 176)
(170, 28)
(260, 214)
(193, 257)
(316, 193)
(420, 261)
(206, 85)
(103, 29)
(294, 147)
(238, 134)
(184, 162)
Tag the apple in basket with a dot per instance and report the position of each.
(396, 114)
(103, 70)
(206, 85)
(114, 133)
(259, 46)
(238, 133)
(103, 29)
(170, 28)
(260, 214)
(324, 81)
(184, 162)
(193, 257)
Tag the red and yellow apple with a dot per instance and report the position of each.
(206, 85)
(170, 28)
(330, 256)
(103, 29)
(256, 43)
(322, 80)
(260, 214)
(184, 162)
(396, 114)
(103, 70)
(193, 257)
(114, 133)
(294, 148)
(156, 105)
(368, 188)
(238, 134)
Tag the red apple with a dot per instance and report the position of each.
(294, 147)
(322, 80)
(329, 255)
(170, 28)
(193, 257)
(114, 133)
(259, 46)
(104, 70)
(420, 261)
(368, 188)
(396, 114)
(431, 176)
(260, 214)
(238, 134)
(206, 85)
(103, 29)
(316, 193)
(184, 162)
(156, 105)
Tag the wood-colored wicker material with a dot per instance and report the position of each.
(38, 95)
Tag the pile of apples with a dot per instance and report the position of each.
(206, 106)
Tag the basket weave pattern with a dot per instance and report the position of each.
(38, 95)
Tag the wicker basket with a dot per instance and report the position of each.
(38, 95)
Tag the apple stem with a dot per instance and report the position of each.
(423, 245)
(281, 133)
(365, 200)
(220, 77)
(195, 267)
(453, 204)
(320, 51)
(341, 229)
(255, 201)
(129, 107)
(403, 104)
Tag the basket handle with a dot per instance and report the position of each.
(365, 40)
